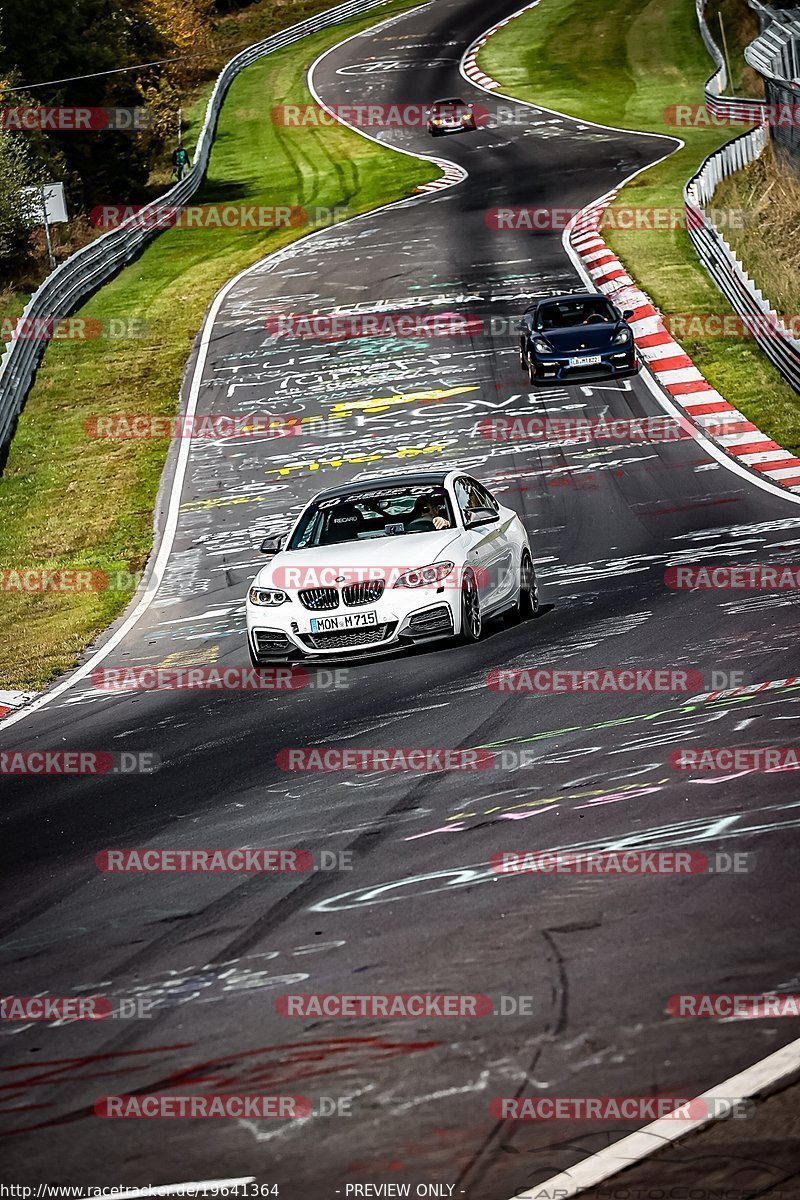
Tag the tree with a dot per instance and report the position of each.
(18, 169)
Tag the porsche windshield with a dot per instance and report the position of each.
(378, 513)
(566, 314)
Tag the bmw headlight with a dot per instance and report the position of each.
(267, 597)
(541, 346)
(425, 576)
(622, 337)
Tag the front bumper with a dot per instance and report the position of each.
(405, 616)
(567, 367)
(460, 127)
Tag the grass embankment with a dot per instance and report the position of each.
(646, 57)
(741, 27)
(68, 500)
(769, 246)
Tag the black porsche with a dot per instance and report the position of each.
(576, 335)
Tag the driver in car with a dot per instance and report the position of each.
(427, 508)
(593, 315)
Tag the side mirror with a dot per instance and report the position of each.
(479, 516)
(627, 313)
(271, 545)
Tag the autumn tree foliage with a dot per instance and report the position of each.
(90, 53)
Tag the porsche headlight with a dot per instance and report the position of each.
(541, 346)
(622, 337)
(267, 597)
(425, 576)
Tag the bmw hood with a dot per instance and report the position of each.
(350, 562)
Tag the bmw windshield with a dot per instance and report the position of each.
(377, 513)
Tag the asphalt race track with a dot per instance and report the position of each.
(421, 909)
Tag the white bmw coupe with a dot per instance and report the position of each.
(387, 562)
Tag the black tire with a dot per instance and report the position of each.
(523, 358)
(531, 371)
(471, 621)
(527, 602)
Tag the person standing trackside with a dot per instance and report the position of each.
(180, 161)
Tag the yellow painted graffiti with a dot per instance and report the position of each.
(196, 505)
(191, 658)
(354, 459)
(383, 403)
(591, 794)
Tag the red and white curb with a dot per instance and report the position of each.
(469, 62)
(453, 173)
(669, 362)
(749, 689)
(11, 701)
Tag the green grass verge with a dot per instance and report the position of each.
(68, 500)
(646, 56)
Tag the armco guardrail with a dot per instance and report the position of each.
(775, 54)
(780, 347)
(79, 275)
(733, 108)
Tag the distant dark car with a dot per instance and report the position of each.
(576, 335)
(450, 116)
